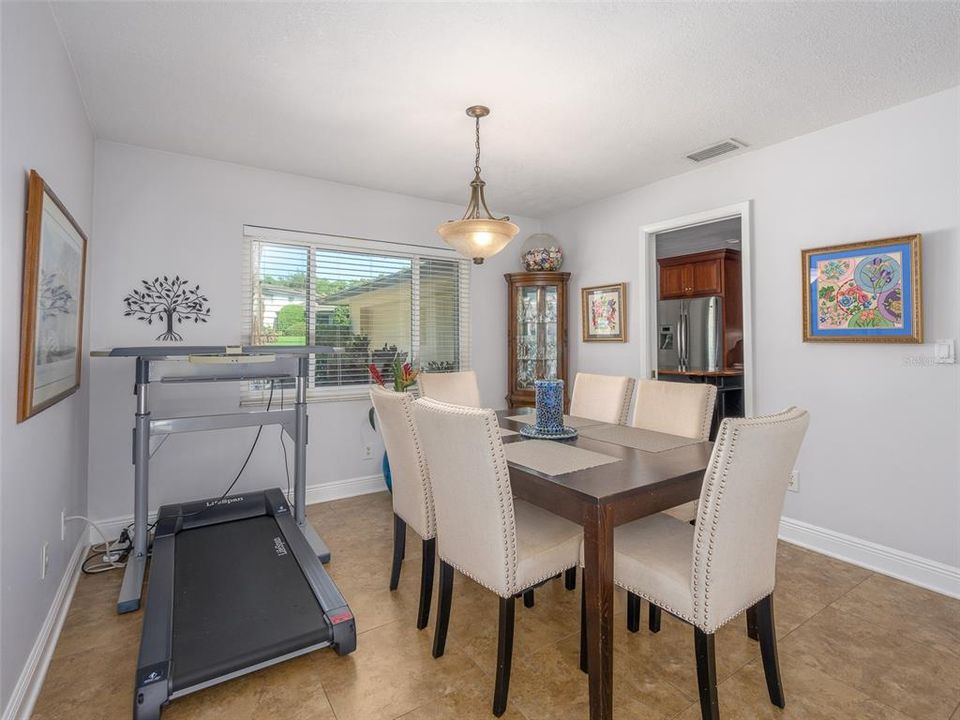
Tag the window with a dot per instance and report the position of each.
(376, 301)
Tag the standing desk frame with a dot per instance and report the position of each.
(293, 422)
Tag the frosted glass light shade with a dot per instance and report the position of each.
(478, 238)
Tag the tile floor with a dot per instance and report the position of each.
(853, 644)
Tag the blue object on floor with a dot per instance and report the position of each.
(386, 473)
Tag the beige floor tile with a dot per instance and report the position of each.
(470, 699)
(810, 695)
(918, 679)
(391, 673)
(291, 691)
(883, 645)
(669, 654)
(807, 582)
(475, 614)
(906, 609)
(548, 685)
(98, 684)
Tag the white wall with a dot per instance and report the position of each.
(881, 458)
(158, 212)
(43, 467)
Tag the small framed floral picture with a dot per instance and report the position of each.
(863, 292)
(604, 310)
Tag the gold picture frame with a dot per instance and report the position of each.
(864, 292)
(603, 312)
(51, 311)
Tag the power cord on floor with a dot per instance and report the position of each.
(110, 558)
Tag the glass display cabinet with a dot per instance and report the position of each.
(536, 333)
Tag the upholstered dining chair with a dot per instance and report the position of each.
(457, 388)
(412, 498)
(504, 544)
(675, 408)
(605, 398)
(684, 409)
(708, 574)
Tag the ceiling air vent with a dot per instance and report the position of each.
(720, 148)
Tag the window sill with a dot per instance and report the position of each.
(351, 394)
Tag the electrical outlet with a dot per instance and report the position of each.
(63, 525)
(794, 484)
(44, 561)
(367, 452)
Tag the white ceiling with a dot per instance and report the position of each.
(719, 235)
(588, 99)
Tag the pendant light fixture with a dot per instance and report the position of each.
(474, 235)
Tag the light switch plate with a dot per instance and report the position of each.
(944, 353)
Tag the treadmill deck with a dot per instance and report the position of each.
(240, 599)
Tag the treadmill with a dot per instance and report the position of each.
(234, 587)
(237, 582)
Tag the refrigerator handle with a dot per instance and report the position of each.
(682, 338)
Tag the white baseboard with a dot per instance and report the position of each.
(936, 576)
(27, 689)
(324, 492)
(318, 493)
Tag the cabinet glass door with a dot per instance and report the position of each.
(537, 346)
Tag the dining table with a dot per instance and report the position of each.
(637, 479)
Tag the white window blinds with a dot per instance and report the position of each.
(377, 301)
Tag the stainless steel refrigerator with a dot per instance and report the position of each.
(689, 334)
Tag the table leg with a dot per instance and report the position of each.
(598, 590)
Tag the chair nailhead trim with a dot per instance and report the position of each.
(625, 403)
(426, 491)
(715, 484)
(508, 524)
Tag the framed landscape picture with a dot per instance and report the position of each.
(604, 313)
(863, 292)
(51, 314)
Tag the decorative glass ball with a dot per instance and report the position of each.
(541, 251)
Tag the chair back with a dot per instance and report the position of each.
(476, 528)
(456, 388)
(676, 408)
(735, 541)
(605, 398)
(412, 497)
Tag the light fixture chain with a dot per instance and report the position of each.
(476, 162)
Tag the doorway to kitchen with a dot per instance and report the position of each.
(697, 306)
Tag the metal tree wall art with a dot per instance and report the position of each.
(167, 300)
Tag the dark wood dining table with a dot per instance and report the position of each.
(600, 498)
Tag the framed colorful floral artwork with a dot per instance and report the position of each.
(863, 292)
(604, 311)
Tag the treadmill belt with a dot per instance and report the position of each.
(240, 599)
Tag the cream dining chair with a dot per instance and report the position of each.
(504, 544)
(412, 498)
(457, 388)
(709, 573)
(605, 398)
(684, 409)
(675, 408)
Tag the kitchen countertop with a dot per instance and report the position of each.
(702, 373)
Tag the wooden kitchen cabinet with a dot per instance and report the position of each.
(708, 273)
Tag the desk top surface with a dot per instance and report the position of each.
(159, 352)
